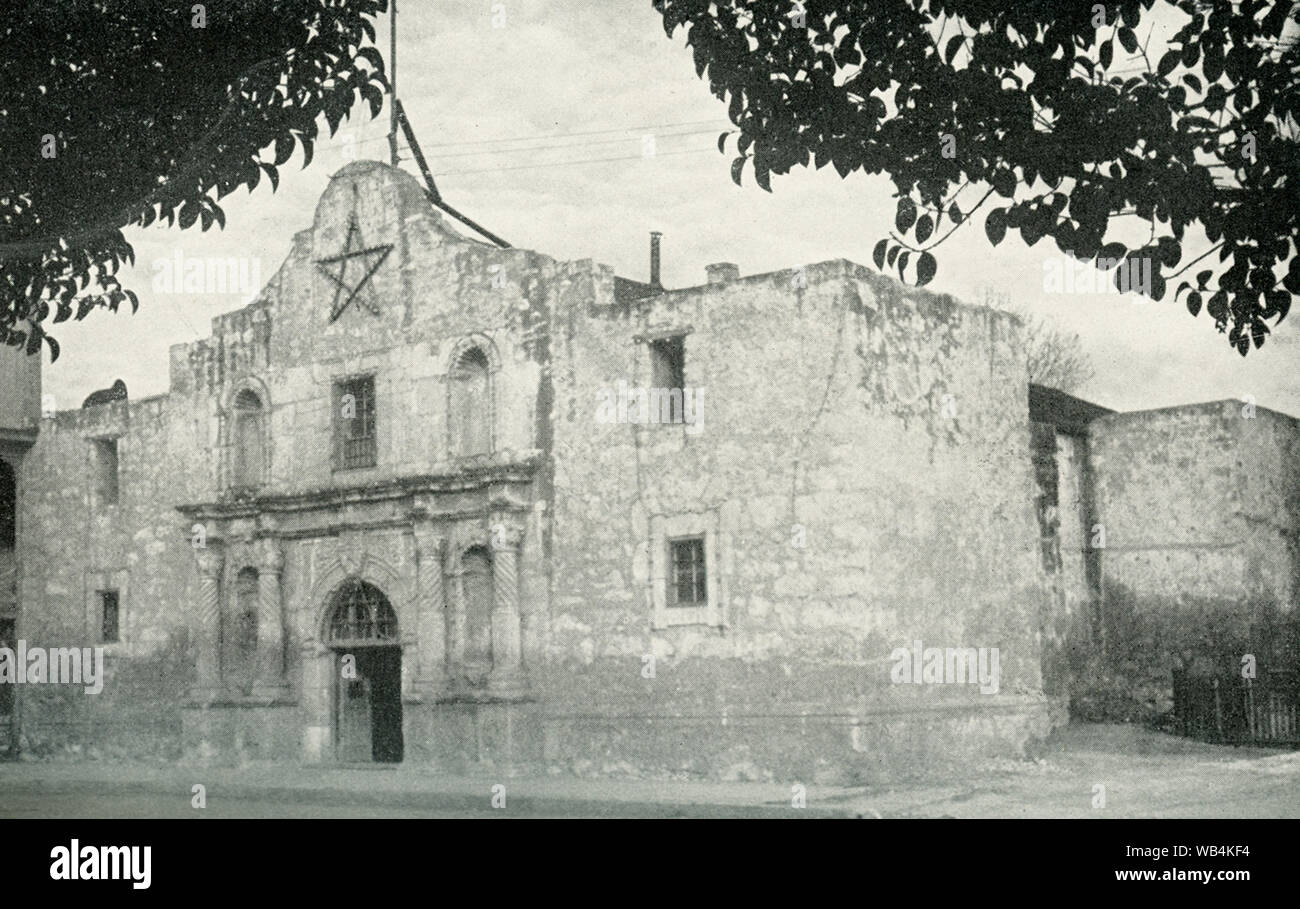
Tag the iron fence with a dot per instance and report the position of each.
(1237, 711)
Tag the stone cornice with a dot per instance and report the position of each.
(467, 479)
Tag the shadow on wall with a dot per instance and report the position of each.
(1128, 676)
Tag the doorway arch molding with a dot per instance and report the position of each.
(371, 569)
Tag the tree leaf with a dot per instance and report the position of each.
(1110, 255)
(905, 216)
(283, 148)
(924, 228)
(995, 225)
(950, 50)
(878, 254)
(926, 266)
(1004, 183)
(1279, 304)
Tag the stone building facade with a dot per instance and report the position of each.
(429, 500)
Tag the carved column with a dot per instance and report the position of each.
(207, 619)
(271, 676)
(431, 614)
(507, 676)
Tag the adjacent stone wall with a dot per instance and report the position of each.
(72, 545)
(1199, 509)
(1069, 563)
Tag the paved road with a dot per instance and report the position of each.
(40, 802)
(160, 805)
(1090, 772)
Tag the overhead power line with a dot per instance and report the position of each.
(484, 170)
(531, 148)
(542, 137)
(592, 132)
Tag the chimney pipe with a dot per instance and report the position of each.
(654, 260)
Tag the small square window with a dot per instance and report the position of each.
(688, 585)
(109, 616)
(354, 422)
(668, 362)
(106, 467)
(688, 562)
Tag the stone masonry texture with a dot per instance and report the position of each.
(859, 468)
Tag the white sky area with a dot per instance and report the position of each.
(558, 68)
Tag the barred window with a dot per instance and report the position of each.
(354, 417)
(688, 587)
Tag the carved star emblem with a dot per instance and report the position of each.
(368, 260)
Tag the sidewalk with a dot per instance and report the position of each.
(410, 787)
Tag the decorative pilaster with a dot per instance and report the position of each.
(507, 676)
(318, 668)
(207, 620)
(271, 674)
(432, 615)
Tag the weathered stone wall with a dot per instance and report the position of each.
(859, 468)
(72, 545)
(853, 506)
(1199, 508)
(435, 293)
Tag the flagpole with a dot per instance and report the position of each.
(392, 83)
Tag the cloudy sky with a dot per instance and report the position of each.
(534, 116)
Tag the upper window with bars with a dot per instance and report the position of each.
(354, 423)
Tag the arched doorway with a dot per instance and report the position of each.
(362, 632)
